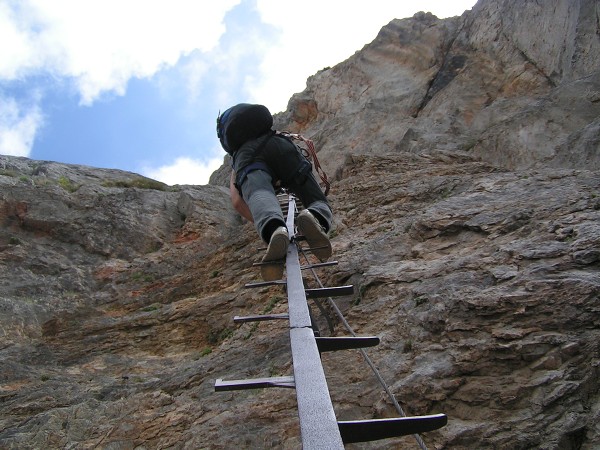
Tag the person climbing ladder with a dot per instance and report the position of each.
(263, 159)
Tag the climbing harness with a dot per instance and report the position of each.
(309, 152)
(296, 176)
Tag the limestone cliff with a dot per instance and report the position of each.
(515, 84)
(465, 154)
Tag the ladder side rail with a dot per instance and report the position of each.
(318, 424)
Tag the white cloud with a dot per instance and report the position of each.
(17, 54)
(185, 171)
(97, 45)
(321, 33)
(18, 127)
(101, 44)
(227, 65)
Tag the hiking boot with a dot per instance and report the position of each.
(315, 235)
(276, 253)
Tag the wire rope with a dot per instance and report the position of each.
(366, 357)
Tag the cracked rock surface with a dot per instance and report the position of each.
(466, 191)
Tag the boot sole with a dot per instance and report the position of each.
(276, 253)
(316, 238)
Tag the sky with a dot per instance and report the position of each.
(137, 85)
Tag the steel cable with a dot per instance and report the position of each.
(366, 357)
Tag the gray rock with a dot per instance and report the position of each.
(467, 212)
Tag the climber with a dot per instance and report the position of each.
(263, 159)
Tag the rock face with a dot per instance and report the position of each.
(465, 154)
(515, 84)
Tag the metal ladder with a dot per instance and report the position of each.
(319, 427)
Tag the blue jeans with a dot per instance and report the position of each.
(259, 195)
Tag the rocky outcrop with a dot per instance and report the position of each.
(515, 84)
(467, 201)
(487, 286)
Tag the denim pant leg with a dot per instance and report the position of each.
(260, 197)
(314, 199)
(287, 162)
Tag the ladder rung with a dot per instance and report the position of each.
(264, 283)
(323, 264)
(254, 383)
(375, 429)
(315, 248)
(338, 291)
(330, 344)
(260, 317)
(270, 263)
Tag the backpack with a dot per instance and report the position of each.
(241, 123)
